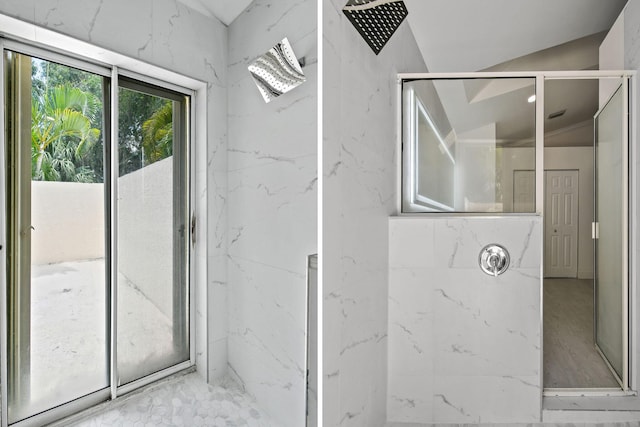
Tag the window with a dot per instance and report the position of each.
(466, 144)
(98, 229)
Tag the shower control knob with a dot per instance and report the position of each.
(494, 259)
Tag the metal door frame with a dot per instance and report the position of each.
(629, 79)
(114, 390)
(624, 380)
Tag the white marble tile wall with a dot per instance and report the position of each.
(632, 62)
(167, 34)
(589, 423)
(359, 150)
(464, 347)
(272, 209)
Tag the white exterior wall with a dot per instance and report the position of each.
(68, 222)
(145, 230)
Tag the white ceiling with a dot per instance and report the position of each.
(471, 35)
(474, 35)
(225, 10)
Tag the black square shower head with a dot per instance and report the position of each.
(376, 20)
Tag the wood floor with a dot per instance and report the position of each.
(570, 357)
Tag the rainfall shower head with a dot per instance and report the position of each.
(376, 20)
(277, 71)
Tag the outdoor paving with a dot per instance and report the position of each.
(68, 329)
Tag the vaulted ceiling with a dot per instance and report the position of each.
(225, 10)
(526, 35)
(470, 35)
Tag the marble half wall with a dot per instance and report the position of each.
(360, 108)
(272, 209)
(464, 347)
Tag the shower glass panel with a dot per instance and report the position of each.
(56, 288)
(610, 242)
(153, 231)
(469, 145)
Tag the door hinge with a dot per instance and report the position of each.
(595, 230)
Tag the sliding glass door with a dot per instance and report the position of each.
(97, 234)
(57, 289)
(152, 233)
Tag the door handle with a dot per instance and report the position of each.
(192, 229)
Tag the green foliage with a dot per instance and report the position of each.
(68, 115)
(50, 74)
(61, 132)
(135, 109)
(157, 134)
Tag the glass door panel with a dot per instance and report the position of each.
(57, 293)
(610, 266)
(152, 315)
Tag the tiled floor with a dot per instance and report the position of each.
(182, 401)
(570, 356)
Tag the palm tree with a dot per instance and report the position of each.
(61, 132)
(157, 134)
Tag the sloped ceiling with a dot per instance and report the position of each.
(471, 35)
(501, 35)
(225, 10)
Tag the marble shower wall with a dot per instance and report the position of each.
(359, 174)
(632, 62)
(272, 209)
(464, 347)
(169, 35)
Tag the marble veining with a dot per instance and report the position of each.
(271, 209)
(181, 401)
(463, 346)
(358, 180)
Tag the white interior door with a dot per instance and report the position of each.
(561, 223)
